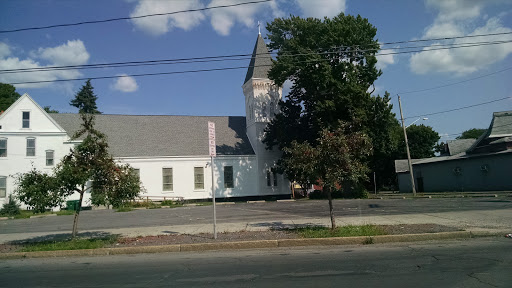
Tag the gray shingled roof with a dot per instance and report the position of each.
(261, 61)
(402, 165)
(151, 136)
(459, 146)
(501, 126)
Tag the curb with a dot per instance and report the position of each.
(359, 240)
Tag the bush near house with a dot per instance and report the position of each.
(11, 208)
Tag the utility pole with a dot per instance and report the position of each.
(407, 147)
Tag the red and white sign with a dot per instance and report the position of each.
(211, 139)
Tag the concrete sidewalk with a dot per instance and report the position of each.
(487, 220)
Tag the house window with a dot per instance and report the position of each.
(31, 146)
(264, 110)
(198, 178)
(269, 181)
(3, 147)
(228, 177)
(26, 119)
(49, 157)
(272, 109)
(136, 172)
(3, 186)
(274, 176)
(167, 179)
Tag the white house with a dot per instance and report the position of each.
(169, 152)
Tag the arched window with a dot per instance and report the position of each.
(264, 110)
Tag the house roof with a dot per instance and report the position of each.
(153, 136)
(261, 61)
(402, 165)
(459, 146)
(501, 126)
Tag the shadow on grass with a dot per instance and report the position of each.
(65, 237)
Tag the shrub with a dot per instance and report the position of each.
(11, 208)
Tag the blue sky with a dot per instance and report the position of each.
(234, 31)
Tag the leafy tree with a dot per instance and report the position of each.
(422, 142)
(472, 133)
(326, 87)
(49, 109)
(338, 159)
(11, 208)
(38, 190)
(85, 100)
(8, 95)
(384, 131)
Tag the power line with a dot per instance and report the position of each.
(134, 17)
(455, 83)
(232, 58)
(446, 38)
(503, 125)
(460, 108)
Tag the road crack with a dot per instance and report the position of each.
(472, 275)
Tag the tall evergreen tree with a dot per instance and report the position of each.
(85, 100)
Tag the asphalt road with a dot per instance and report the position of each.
(267, 212)
(483, 262)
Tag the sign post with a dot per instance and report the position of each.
(213, 152)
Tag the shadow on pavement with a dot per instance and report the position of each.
(283, 226)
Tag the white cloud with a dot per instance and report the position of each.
(125, 84)
(463, 61)
(387, 59)
(71, 53)
(4, 50)
(457, 18)
(71, 49)
(224, 19)
(322, 8)
(158, 25)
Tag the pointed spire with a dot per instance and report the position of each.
(261, 61)
(259, 28)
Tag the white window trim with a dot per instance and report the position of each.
(4, 177)
(172, 178)
(26, 148)
(232, 176)
(194, 182)
(46, 158)
(6, 147)
(29, 119)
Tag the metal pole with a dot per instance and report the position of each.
(213, 200)
(374, 184)
(407, 146)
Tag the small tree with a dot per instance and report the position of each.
(38, 190)
(338, 158)
(11, 208)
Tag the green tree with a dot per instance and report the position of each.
(422, 142)
(326, 87)
(38, 190)
(49, 109)
(338, 159)
(85, 100)
(8, 95)
(472, 133)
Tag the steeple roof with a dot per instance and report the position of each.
(261, 61)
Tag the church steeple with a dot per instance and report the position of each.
(261, 61)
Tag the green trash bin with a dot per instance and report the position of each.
(72, 205)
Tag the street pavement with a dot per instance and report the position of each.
(481, 262)
(465, 213)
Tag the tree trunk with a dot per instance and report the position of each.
(331, 210)
(77, 213)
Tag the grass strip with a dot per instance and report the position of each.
(343, 231)
(75, 244)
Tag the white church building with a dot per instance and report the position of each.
(170, 153)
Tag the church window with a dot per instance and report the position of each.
(274, 176)
(263, 110)
(269, 181)
(228, 177)
(198, 178)
(271, 109)
(166, 179)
